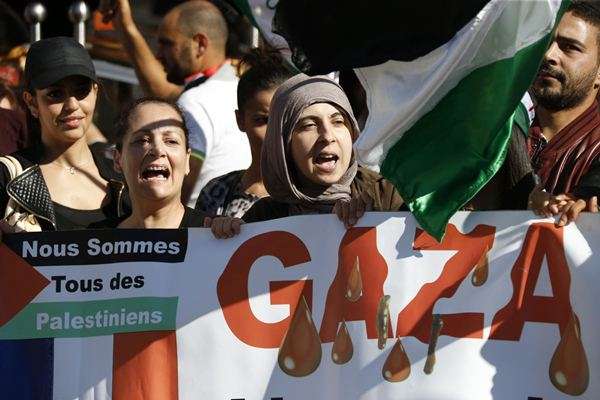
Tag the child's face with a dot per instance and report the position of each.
(255, 115)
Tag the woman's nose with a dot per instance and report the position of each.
(158, 148)
(327, 132)
(71, 103)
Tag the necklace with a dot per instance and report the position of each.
(70, 168)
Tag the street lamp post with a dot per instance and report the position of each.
(35, 14)
(78, 14)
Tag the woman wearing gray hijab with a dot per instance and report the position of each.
(307, 161)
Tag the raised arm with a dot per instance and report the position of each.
(149, 70)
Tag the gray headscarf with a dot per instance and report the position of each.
(289, 101)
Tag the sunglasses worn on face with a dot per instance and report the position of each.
(58, 94)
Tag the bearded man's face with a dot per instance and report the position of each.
(570, 67)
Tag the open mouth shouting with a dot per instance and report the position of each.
(155, 172)
(325, 161)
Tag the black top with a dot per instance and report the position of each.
(224, 195)
(70, 218)
(191, 219)
(116, 202)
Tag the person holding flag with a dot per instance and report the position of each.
(441, 95)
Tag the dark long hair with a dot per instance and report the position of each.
(34, 129)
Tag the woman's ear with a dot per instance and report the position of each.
(31, 103)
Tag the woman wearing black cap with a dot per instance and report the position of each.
(63, 183)
(72, 187)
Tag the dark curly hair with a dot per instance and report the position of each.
(263, 70)
(122, 123)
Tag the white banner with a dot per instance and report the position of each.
(297, 308)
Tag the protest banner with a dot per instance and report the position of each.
(503, 308)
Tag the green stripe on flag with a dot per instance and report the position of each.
(92, 318)
(522, 119)
(443, 160)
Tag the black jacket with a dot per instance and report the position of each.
(29, 189)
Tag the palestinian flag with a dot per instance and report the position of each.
(442, 83)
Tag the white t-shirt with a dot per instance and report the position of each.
(214, 136)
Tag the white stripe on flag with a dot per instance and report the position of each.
(83, 368)
(400, 93)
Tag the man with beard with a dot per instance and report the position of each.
(564, 140)
(192, 40)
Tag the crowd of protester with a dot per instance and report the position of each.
(212, 146)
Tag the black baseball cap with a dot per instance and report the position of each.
(50, 60)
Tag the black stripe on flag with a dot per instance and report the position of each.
(333, 35)
(88, 247)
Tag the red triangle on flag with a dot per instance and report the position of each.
(19, 284)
